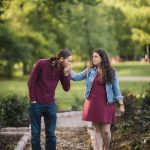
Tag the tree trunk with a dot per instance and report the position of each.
(25, 69)
(9, 69)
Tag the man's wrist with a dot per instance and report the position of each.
(66, 75)
(33, 101)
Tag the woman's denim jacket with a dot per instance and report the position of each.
(112, 89)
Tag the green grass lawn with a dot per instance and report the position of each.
(124, 69)
(133, 69)
(65, 100)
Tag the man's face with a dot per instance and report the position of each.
(66, 62)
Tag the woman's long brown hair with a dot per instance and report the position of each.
(107, 70)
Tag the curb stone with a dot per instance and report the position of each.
(24, 140)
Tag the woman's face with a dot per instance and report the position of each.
(96, 59)
(66, 62)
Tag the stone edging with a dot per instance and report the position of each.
(13, 129)
(24, 131)
(11, 133)
(24, 140)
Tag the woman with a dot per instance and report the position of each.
(102, 91)
(42, 85)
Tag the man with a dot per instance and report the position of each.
(42, 84)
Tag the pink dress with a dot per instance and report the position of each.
(96, 108)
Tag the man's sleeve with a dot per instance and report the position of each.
(65, 82)
(32, 81)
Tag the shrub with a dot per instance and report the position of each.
(13, 110)
(146, 98)
(135, 123)
(78, 103)
(130, 102)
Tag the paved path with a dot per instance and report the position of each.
(74, 121)
(134, 78)
(69, 119)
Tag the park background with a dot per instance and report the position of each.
(35, 29)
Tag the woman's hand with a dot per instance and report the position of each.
(121, 108)
(67, 70)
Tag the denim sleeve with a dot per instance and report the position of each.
(116, 88)
(79, 76)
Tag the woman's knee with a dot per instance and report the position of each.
(106, 130)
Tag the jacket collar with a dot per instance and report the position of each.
(94, 70)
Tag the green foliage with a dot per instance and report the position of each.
(132, 69)
(77, 105)
(10, 50)
(146, 99)
(3, 6)
(134, 123)
(38, 28)
(88, 32)
(13, 110)
(130, 103)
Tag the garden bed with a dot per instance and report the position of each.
(69, 138)
(131, 134)
(9, 142)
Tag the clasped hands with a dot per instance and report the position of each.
(67, 70)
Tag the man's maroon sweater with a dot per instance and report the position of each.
(43, 81)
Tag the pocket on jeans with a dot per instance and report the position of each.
(34, 105)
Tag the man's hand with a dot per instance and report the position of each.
(67, 70)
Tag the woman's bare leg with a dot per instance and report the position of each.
(98, 136)
(106, 133)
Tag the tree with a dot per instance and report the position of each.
(136, 25)
(33, 43)
(3, 6)
(10, 51)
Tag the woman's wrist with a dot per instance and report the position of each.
(121, 105)
(121, 102)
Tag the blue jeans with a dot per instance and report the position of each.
(49, 113)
